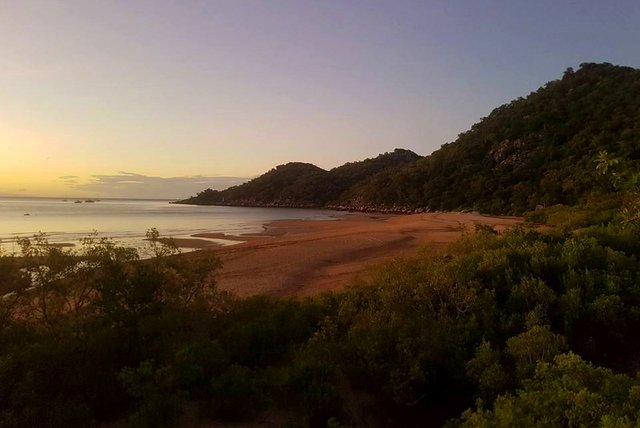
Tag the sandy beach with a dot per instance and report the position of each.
(306, 257)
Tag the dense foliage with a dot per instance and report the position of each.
(566, 392)
(534, 150)
(537, 150)
(525, 326)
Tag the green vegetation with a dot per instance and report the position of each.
(567, 392)
(525, 328)
(304, 185)
(537, 150)
(521, 326)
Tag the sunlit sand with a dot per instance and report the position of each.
(306, 257)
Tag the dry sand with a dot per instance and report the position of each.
(306, 257)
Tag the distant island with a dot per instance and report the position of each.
(532, 152)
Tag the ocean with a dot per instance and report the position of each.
(127, 220)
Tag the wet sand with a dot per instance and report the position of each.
(306, 257)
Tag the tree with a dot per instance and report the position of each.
(565, 392)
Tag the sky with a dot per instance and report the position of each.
(159, 98)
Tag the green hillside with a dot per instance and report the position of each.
(534, 150)
(304, 185)
(537, 150)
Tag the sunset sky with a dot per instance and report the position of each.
(165, 98)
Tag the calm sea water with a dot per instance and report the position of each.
(127, 220)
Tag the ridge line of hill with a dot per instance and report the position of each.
(534, 151)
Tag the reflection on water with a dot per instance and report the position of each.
(127, 220)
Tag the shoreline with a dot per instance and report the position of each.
(306, 257)
(352, 209)
(303, 257)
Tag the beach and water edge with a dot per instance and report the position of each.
(274, 251)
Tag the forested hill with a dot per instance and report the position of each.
(531, 151)
(304, 185)
(534, 150)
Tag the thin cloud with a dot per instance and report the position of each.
(132, 185)
(69, 179)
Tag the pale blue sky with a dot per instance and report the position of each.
(231, 88)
